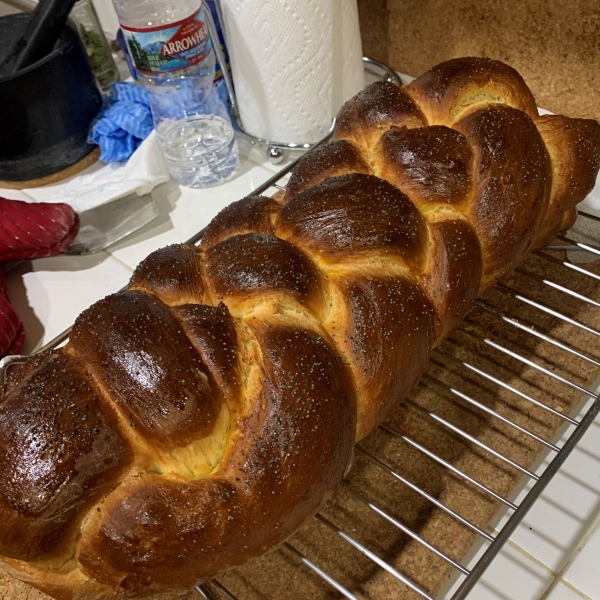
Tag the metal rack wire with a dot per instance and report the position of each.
(493, 539)
(494, 542)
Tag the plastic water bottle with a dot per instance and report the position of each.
(172, 51)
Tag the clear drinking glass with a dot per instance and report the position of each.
(195, 134)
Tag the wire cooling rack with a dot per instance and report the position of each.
(468, 577)
(465, 578)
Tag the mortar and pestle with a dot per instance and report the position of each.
(48, 97)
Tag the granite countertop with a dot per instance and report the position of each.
(552, 43)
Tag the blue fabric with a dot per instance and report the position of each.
(124, 123)
(221, 88)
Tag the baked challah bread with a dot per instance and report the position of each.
(200, 417)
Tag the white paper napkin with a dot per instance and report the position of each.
(105, 183)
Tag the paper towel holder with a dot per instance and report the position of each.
(276, 151)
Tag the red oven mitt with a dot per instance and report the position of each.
(12, 332)
(29, 231)
(35, 230)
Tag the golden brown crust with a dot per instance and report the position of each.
(74, 456)
(229, 382)
(354, 214)
(288, 450)
(249, 215)
(510, 173)
(257, 263)
(452, 275)
(364, 118)
(573, 146)
(382, 325)
(139, 354)
(429, 164)
(454, 86)
(211, 330)
(171, 274)
(335, 158)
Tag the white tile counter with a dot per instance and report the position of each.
(553, 555)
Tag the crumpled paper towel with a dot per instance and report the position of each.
(294, 63)
(140, 174)
(124, 123)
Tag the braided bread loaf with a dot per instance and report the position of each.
(200, 417)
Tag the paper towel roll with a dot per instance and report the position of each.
(294, 63)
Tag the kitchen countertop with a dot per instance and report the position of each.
(553, 44)
(553, 553)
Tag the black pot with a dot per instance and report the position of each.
(46, 108)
